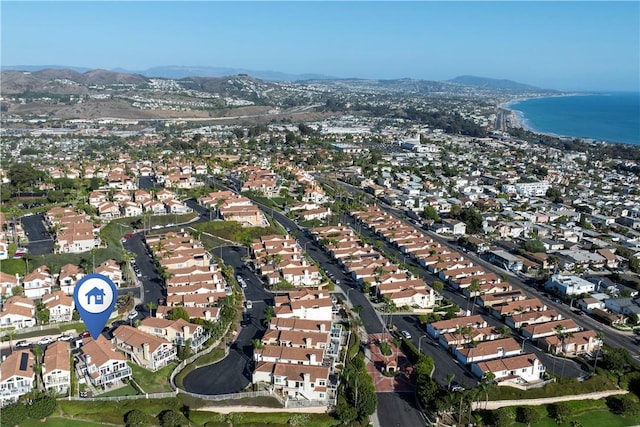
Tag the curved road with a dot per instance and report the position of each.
(233, 373)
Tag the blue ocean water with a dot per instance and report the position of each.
(611, 117)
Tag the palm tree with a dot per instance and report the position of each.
(562, 335)
(600, 338)
(12, 333)
(151, 306)
(487, 381)
(449, 378)
(475, 288)
(505, 331)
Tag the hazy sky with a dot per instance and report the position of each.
(559, 45)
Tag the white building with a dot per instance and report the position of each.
(569, 285)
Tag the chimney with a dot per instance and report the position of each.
(145, 351)
(322, 327)
(312, 358)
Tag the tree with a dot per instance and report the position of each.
(527, 415)
(42, 407)
(151, 306)
(559, 411)
(617, 360)
(171, 418)
(11, 333)
(449, 378)
(431, 213)
(502, 417)
(626, 405)
(437, 285)
(178, 313)
(474, 288)
(600, 338)
(14, 414)
(534, 245)
(135, 418)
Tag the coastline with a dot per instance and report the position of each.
(517, 119)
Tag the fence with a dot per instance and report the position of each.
(133, 397)
(229, 396)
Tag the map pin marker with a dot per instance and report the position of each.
(95, 296)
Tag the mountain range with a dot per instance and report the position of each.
(180, 72)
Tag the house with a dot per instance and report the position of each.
(303, 382)
(146, 350)
(68, 277)
(435, 329)
(38, 282)
(516, 321)
(453, 226)
(295, 355)
(505, 260)
(56, 371)
(626, 306)
(576, 344)
(60, 306)
(541, 330)
(525, 367)
(487, 350)
(7, 283)
(100, 363)
(569, 285)
(179, 332)
(206, 313)
(588, 304)
(17, 376)
(18, 313)
(111, 269)
(295, 338)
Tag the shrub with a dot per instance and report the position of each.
(527, 415)
(503, 417)
(625, 405)
(135, 418)
(559, 411)
(13, 415)
(171, 418)
(42, 407)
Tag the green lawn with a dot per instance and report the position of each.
(591, 419)
(153, 382)
(60, 422)
(113, 412)
(128, 390)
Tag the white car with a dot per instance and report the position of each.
(23, 344)
(132, 315)
(406, 334)
(65, 337)
(45, 341)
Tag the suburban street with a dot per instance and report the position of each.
(233, 373)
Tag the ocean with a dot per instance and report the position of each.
(610, 117)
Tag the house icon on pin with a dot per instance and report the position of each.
(97, 294)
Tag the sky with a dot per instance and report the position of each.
(557, 45)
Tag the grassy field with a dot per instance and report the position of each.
(153, 382)
(560, 388)
(100, 413)
(61, 422)
(590, 419)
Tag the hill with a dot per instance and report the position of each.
(495, 84)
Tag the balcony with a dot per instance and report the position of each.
(113, 376)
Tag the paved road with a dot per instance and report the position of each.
(233, 373)
(399, 409)
(444, 362)
(40, 242)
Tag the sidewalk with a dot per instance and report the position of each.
(495, 404)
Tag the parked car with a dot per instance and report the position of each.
(85, 334)
(132, 315)
(23, 344)
(65, 337)
(248, 304)
(406, 334)
(457, 387)
(45, 341)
